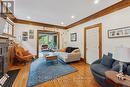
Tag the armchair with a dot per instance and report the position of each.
(22, 55)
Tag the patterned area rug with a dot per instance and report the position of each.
(41, 72)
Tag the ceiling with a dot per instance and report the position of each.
(57, 11)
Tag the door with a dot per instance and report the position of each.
(93, 43)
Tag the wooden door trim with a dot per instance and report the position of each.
(40, 31)
(100, 39)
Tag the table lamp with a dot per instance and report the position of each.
(122, 55)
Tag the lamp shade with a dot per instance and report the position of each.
(122, 54)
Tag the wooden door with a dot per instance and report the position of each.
(92, 43)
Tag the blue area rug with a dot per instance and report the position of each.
(41, 72)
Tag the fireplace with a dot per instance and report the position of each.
(3, 60)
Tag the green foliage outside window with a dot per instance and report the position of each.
(45, 41)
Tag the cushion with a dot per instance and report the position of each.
(110, 54)
(63, 50)
(70, 49)
(107, 61)
(24, 52)
(75, 51)
(115, 63)
(99, 68)
(128, 70)
(117, 67)
(19, 53)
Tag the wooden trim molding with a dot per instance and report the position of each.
(58, 40)
(118, 6)
(37, 23)
(40, 31)
(100, 39)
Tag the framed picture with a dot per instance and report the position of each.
(31, 34)
(119, 32)
(25, 36)
(73, 36)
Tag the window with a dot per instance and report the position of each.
(44, 39)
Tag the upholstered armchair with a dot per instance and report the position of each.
(63, 54)
(22, 55)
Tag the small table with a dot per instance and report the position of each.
(112, 79)
(51, 57)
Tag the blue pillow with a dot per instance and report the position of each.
(107, 61)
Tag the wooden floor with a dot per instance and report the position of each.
(81, 78)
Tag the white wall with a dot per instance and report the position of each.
(31, 44)
(114, 20)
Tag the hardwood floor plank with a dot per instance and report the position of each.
(81, 78)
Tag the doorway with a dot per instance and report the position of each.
(47, 41)
(92, 43)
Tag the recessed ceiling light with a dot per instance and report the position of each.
(28, 17)
(62, 23)
(96, 1)
(72, 16)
